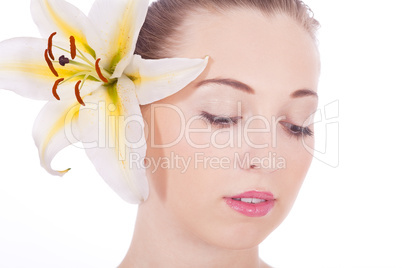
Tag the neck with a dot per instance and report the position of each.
(158, 241)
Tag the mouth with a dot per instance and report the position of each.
(250, 200)
(252, 204)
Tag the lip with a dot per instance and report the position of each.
(250, 209)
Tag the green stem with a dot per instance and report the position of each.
(83, 81)
(73, 62)
(85, 59)
(82, 57)
(75, 75)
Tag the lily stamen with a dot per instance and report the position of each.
(63, 60)
(77, 93)
(98, 71)
(50, 64)
(50, 45)
(54, 90)
(114, 88)
(73, 48)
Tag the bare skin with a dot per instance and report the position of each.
(177, 248)
(185, 222)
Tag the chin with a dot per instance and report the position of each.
(243, 235)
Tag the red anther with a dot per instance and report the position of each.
(50, 64)
(98, 70)
(54, 90)
(50, 45)
(77, 93)
(73, 48)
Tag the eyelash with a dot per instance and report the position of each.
(223, 122)
(220, 121)
(297, 131)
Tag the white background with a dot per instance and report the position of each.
(345, 216)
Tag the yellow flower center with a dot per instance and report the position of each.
(90, 69)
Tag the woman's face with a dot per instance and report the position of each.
(241, 127)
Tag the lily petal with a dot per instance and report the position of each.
(55, 128)
(67, 20)
(23, 69)
(120, 22)
(112, 131)
(158, 79)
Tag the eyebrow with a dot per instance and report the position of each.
(303, 93)
(228, 82)
(246, 88)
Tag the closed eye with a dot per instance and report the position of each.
(220, 121)
(297, 131)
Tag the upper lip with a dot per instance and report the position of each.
(255, 194)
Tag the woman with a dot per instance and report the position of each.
(226, 155)
(264, 62)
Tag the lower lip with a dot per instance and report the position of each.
(249, 209)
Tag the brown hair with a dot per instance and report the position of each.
(165, 17)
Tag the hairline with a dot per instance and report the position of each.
(177, 37)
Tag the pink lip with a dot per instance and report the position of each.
(249, 209)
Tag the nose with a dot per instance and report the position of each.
(259, 151)
(263, 169)
(257, 132)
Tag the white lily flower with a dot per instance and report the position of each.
(86, 68)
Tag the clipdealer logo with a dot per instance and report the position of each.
(326, 127)
(270, 162)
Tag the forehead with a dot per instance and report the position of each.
(254, 48)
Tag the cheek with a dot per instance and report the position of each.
(298, 156)
(191, 193)
(174, 174)
(191, 187)
(167, 124)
